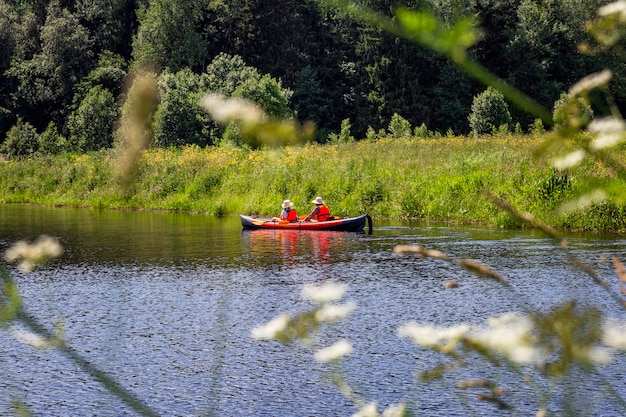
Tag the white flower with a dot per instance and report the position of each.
(595, 355)
(332, 312)
(610, 132)
(368, 410)
(591, 81)
(431, 336)
(333, 352)
(30, 338)
(510, 335)
(272, 328)
(614, 335)
(585, 200)
(616, 7)
(569, 160)
(331, 291)
(29, 256)
(395, 410)
(223, 110)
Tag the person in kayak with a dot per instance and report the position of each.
(288, 213)
(320, 213)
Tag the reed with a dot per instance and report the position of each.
(438, 179)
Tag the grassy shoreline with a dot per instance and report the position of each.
(438, 179)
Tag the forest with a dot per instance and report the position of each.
(65, 65)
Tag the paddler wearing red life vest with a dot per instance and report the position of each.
(320, 213)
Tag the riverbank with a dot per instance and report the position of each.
(439, 179)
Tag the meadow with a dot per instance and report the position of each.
(436, 179)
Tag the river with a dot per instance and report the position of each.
(165, 304)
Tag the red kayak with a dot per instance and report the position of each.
(349, 224)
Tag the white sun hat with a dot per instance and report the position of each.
(318, 200)
(287, 203)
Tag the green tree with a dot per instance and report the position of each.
(169, 36)
(51, 142)
(109, 73)
(45, 82)
(489, 112)
(178, 119)
(232, 77)
(399, 127)
(22, 140)
(110, 22)
(571, 112)
(91, 124)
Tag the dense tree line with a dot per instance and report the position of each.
(63, 65)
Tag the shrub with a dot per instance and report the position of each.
(22, 140)
(537, 127)
(344, 135)
(51, 142)
(422, 131)
(91, 124)
(178, 119)
(489, 112)
(399, 127)
(571, 113)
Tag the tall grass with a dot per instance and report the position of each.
(439, 179)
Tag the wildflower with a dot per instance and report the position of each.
(395, 410)
(611, 8)
(420, 250)
(595, 354)
(224, 110)
(510, 335)
(614, 336)
(331, 291)
(480, 270)
(588, 83)
(272, 329)
(29, 338)
(29, 256)
(569, 160)
(368, 410)
(610, 132)
(332, 312)
(431, 336)
(333, 352)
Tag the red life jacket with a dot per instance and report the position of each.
(323, 215)
(292, 216)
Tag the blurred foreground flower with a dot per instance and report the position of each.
(134, 134)
(371, 410)
(334, 352)
(286, 328)
(255, 126)
(29, 256)
(609, 130)
(272, 329)
(326, 293)
(32, 339)
(614, 335)
(524, 340)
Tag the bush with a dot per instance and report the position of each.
(91, 124)
(344, 135)
(571, 113)
(51, 142)
(399, 127)
(489, 112)
(22, 140)
(178, 119)
(422, 131)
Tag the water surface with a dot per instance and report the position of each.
(165, 303)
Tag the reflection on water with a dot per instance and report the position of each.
(165, 302)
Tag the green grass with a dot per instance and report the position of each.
(432, 179)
